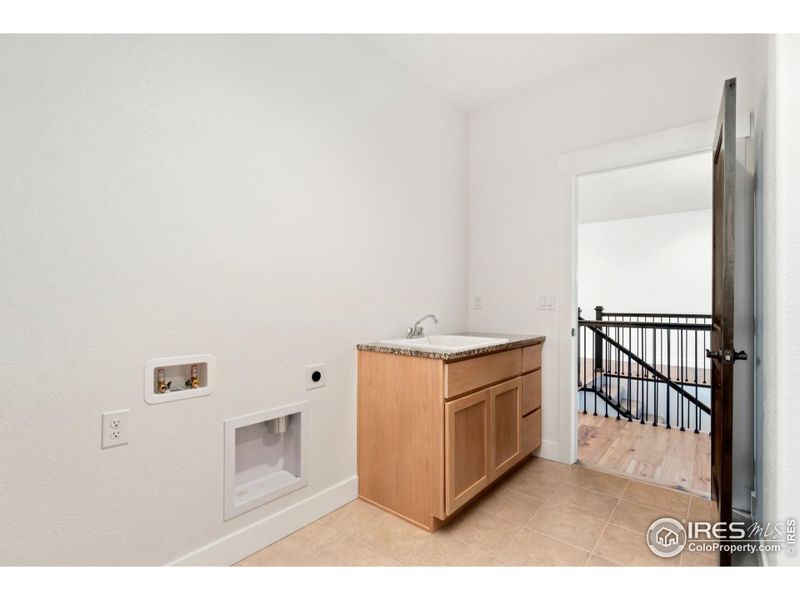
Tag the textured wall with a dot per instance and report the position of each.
(272, 200)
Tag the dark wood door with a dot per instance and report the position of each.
(722, 350)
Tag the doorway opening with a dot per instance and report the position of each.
(644, 278)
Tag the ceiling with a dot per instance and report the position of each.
(668, 186)
(472, 70)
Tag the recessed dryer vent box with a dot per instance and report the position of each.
(265, 457)
(177, 375)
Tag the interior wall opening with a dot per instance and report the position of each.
(644, 267)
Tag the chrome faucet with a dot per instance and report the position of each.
(416, 330)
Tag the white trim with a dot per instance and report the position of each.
(671, 143)
(549, 450)
(240, 544)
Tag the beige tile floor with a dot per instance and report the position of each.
(545, 513)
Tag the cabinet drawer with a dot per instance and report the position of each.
(473, 373)
(531, 358)
(531, 432)
(531, 391)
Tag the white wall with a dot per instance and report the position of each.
(520, 219)
(787, 290)
(777, 126)
(659, 263)
(272, 200)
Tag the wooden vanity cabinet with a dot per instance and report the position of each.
(433, 434)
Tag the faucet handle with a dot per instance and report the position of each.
(417, 330)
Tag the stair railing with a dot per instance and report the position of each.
(646, 367)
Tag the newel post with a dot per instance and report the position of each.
(598, 342)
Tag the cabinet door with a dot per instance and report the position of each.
(466, 448)
(505, 416)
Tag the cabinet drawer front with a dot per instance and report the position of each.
(531, 358)
(531, 391)
(473, 373)
(531, 432)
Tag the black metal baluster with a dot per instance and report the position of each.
(584, 369)
(644, 381)
(606, 379)
(630, 329)
(655, 381)
(695, 352)
(705, 360)
(669, 373)
(595, 371)
(680, 370)
(578, 351)
(617, 380)
(696, 395)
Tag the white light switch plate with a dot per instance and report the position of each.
(115, 428)
(547, 303)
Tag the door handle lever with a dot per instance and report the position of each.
(727, 356)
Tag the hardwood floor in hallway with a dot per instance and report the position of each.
(668, 457)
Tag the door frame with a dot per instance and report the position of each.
(671, 143)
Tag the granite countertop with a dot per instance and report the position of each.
(515, 340)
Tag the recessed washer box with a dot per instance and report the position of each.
(265, 457)
(177, 372)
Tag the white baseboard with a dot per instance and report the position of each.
(549, 450)
(241, 544)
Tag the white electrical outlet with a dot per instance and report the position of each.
(315, 376)
(477, 303)
(115, 428)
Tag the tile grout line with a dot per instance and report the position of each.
(499, 552)
(524, 525)
(608, 522)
